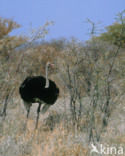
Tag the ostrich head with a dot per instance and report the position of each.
(49, 65)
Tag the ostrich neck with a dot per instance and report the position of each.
(47, 80)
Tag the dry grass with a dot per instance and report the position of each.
(49, 139)
(57, 143)
(43, 141)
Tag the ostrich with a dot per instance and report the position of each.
(39, 89)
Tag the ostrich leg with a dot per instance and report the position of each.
(28, 111)
(27, 106)
(45, 108)
(38, 111)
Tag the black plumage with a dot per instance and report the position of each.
(38, 89)
(33, 88)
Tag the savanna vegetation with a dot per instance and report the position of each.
(91, 79)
